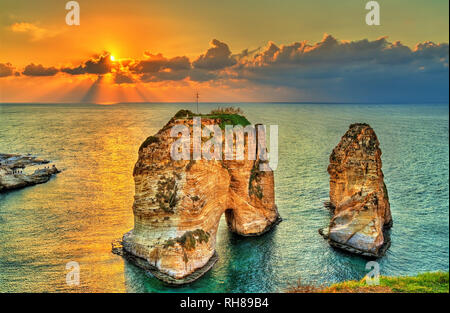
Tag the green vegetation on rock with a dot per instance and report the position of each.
(431, 282)
(189, 239)
(227, 116)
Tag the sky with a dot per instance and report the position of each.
(246, 50)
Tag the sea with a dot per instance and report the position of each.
(77, 214)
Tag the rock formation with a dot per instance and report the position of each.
(12, 176)
(178, 204)
(358, 195)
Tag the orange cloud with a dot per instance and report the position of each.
(6, 69)
(36, 32)
(39, 70)
(98, 65)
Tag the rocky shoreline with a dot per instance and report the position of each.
(12, 175)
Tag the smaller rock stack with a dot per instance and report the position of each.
(358, 195)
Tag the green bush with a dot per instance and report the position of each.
(189, 239)
(228, 116)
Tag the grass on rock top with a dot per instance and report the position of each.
(227, 116)
(224, 117)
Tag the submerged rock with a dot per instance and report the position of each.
(178, 204)
(358, 195)
(13, 177)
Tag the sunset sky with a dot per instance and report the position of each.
(246, 50)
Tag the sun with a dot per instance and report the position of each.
(112, 58)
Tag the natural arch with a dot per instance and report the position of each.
(178, 206)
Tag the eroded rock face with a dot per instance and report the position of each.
(178, 204)
(358, 194)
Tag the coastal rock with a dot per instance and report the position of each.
(178, 204)
(13, 177)
(358, 195)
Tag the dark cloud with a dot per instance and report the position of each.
(123, 78)
(6, 69)
(153, 64)
(168, 75)
(353, 70)
(199, 75)
(430, 50)
(98, 65)
(158, 68)
(245, 53)
(331, 52)
(157, 62)
(217, 57)
(39, 70)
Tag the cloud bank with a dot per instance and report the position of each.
(6, 69)
(217, 57)
(329, 70)
(39, 70)
(98, 65)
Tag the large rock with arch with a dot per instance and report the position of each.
(178, 204)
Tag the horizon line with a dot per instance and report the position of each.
(231, 102)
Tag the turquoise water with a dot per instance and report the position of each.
(76, 215)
